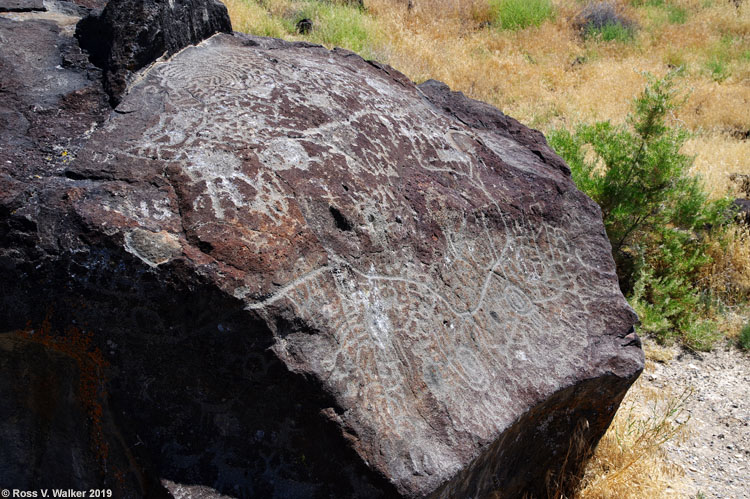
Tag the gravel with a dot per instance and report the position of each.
(716, 456)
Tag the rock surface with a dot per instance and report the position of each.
(43, 418)
(56, 427)
(742, 206)
(21, 5)
(309, 277)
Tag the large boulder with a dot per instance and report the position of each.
(308, 276)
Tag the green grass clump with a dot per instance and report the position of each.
(521, 14)
(676, 14)
(744, 339)
(654, 212)
(338, 25)
(717, 67)
(334, 24)
(723, 55)
(610, 32)
(660, 12)
(649, 3)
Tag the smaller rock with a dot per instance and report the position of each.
(742, 207)
(598, 15)
(154, 248)
(131, 34)
(304, 26)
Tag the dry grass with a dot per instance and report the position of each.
(728, 278)
(717, 156)
(658, 353)
(252, 17)
(629, 461)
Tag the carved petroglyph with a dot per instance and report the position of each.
(381, 323)
(480, 306)
(220, 172)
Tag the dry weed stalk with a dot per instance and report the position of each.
(629, 461)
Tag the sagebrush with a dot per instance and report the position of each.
(656, 214)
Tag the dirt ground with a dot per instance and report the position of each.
(716, 455)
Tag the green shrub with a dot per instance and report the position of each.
(744, 339)
(520, 14)
(654, 212)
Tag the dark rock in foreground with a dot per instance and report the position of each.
(308, 277)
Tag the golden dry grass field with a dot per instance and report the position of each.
(629, 462)
(552, 74)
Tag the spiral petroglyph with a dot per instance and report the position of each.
(224, 76)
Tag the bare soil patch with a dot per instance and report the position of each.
(716, 455)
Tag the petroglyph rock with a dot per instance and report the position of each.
(312, 278)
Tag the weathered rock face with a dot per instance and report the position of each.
(21, 5)
(39, 407)
(57, 430)
(742, 206)
(312, 278)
